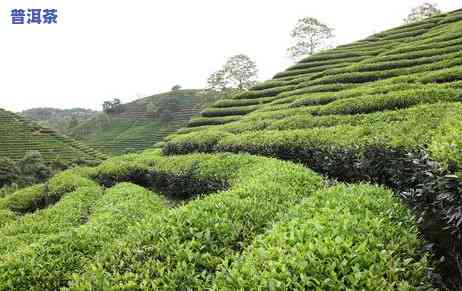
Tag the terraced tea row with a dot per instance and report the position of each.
(18, 136)
(141, 123)
(127, 237)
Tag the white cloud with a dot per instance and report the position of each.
(104, 49)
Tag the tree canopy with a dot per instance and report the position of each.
(421, 12)
(239, 73)
(309, 35)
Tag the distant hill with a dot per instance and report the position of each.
(18, 136)
(60, 120)
(140, 124)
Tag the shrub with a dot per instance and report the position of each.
(48, 263)
(28, 199)
(228, 111)
(401, 99)
(6, 216)
(200, 121)
(9, 173)
(185, 248)
(66, 182)
(33, 168)
(72, 211)
(341, 238)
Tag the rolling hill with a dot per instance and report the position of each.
(341, 173)
(136, 127)
(18, 136)
(60, 120)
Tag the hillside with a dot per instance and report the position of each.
(136, 127)
(341, 173)
(60, 120)
(18, 136)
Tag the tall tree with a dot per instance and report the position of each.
(238, 73)
(241, 72)
(113, 106)
(421, 12)
(309, 35)
(176, 87)
(217, 81)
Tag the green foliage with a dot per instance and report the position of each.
(48, 263)
(33, 168)
(20, 136)
(6, 216)
(190, 243)
(68, 181)
(327, 242)
(384, 110)
(143, 122)
(28, 199)
(447, 146)
(9, 173)
(72, 211)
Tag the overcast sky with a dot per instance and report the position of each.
(128, 49)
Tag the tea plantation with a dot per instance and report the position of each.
(136, 128)
(341, 173)
(18, 136)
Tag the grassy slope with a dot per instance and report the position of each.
(17, 136)
(242, 222)
(135, 128)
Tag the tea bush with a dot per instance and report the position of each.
(327, 242)
(185, 248)
(48, 263)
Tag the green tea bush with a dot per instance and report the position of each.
(48, 263)
(447, 144)
(6, 216)
(68, 181)
(241, 102)
(180, 178)
(228, 111)
(184, 249)
(201, 121)
(327, 62)
(28, 199)
(342, 238)
(303, 71)
(264, 93)
(9, 173)
(398, 100)
(443, 76)
(72, 211)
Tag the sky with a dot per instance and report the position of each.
(107, 49)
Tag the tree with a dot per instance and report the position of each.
(238, 73)
(9, 173)
(33, 169)
(176, 87)
(421, 12)
(241, 72)
(309, 35)
(217, 82)
(113, 106)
